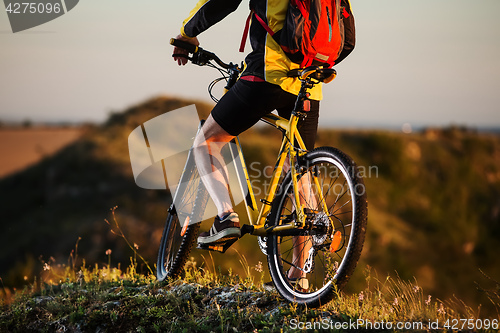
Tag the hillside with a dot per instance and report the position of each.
(46, 208)
(27, 145)
(110, 300)
(434, 204)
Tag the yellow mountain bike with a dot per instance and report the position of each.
(314, 215)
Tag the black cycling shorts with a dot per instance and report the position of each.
(247, 101)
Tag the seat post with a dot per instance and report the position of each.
(302, 97)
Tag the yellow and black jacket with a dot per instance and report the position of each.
(266, 60)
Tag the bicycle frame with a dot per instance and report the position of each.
(287, 150)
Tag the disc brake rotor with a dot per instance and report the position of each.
(321, 221)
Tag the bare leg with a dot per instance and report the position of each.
(207, 154)
(302, 244)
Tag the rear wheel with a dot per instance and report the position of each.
(308, 265)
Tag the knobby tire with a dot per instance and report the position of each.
(347, 210)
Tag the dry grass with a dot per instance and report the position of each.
(105, 298)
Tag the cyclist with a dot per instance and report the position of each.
(262, 88)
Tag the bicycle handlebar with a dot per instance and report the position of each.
(200, 56)
(191, 48)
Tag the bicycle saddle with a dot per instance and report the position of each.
(320, 74)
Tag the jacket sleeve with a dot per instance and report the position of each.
(349, 32)
(206, 14)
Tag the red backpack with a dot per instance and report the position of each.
(314, 31)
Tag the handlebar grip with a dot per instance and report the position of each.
(191, 48)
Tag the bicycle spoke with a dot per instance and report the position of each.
(294, 245)
(338, 196)
(341, 222)
(323, 250)
(347, 202)
(330, 186)
(341, 213)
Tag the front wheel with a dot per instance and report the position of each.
(187, 211)
(309, 265)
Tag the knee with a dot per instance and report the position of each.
(212, 136)
(204, 144)
(206, 139)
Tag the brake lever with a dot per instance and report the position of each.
(201, 59)
(181, 55)
(196, 59)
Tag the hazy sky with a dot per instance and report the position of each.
(421, 62)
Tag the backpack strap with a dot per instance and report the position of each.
(245, 32)
(308, 61)
(247, 28)
(264, 25)
(301, 6)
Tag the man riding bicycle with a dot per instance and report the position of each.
(263, 87)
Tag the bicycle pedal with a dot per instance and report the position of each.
(217, 247)
(247, 229)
